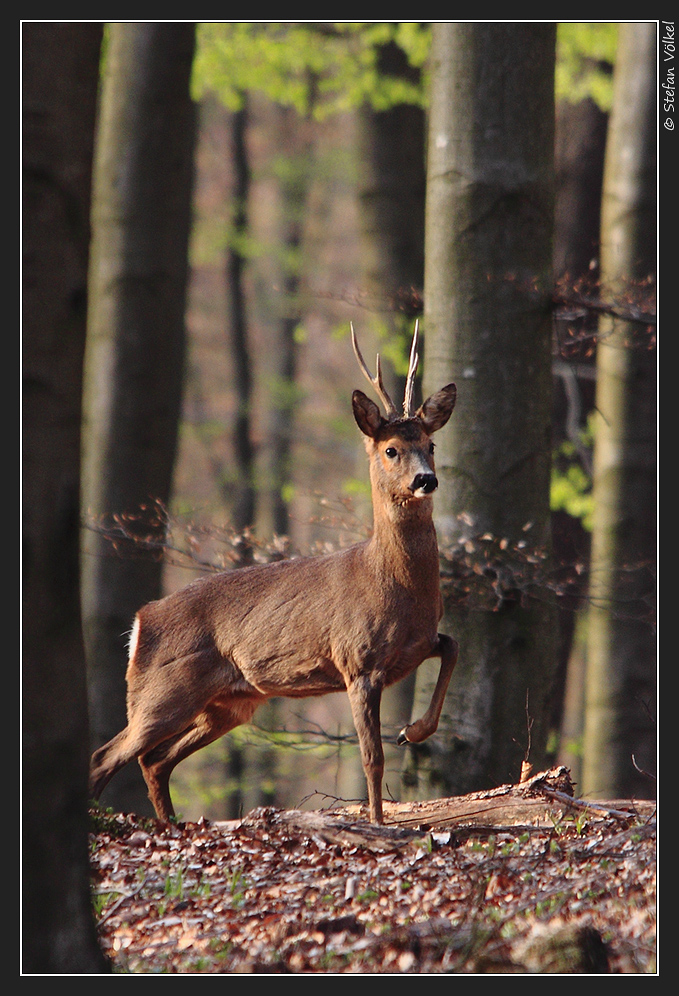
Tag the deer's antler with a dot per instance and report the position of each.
(376, 381)
(412, 370)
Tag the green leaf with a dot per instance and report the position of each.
(318, 69)
(585, 59)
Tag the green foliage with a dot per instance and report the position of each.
(571, 492)
(571, 485)
(325, 68)
(288, 492)
(585, 57)
(105, 820)
(284, 394)
(394, 342)
(356, 487)
(319, 69)
(575, 747)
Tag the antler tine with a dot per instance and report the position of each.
(376, 381)
(412, 370)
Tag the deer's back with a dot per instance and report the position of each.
(301, 626)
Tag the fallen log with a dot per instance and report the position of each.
(538, 803)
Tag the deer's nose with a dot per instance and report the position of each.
(426, 483)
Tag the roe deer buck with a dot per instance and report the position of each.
(202, 659)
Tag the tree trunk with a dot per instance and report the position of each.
(135, 348)
(620, 684)
(392, 182)
(245, 496)
(60, 77)
(580, 145)
(294, 181)
(580, 140)
(488, 270)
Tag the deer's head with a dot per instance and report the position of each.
(399, 445)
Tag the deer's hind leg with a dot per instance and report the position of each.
(158, 763)
(163, 704)
(108, 760)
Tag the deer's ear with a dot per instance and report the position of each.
(437, 409)
(367, 414)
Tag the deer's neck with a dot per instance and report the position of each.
(403, 545)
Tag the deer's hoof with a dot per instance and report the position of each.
(402, 738)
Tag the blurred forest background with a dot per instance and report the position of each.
(206, 208)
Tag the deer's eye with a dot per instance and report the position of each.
(391, 452)
(431, 447)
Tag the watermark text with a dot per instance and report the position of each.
(667, 62)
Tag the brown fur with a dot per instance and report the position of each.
(204, 658)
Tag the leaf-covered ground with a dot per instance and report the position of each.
(272, 894)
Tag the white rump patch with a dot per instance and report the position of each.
(134, 637)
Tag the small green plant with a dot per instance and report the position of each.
(237, 887)
(549, 906)
(331, 960)
(174, 884)
(105, 821)
(558, 824)
(201, 889)
(100, 901)
(367, 896)
(220, 949)
(200, 964)
(581, 824)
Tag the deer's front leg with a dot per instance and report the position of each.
(364, 698)
(416, 732)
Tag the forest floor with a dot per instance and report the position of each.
(517, 880)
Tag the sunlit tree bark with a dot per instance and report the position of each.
(620, 683)
(580, 145)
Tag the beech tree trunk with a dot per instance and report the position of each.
(392, 182)
(580, 146)
(135, 349)
(244, 502)
(60, 77)
(487, 327)
(279, 369)
(620, 705)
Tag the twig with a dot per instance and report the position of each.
(583, 804)
(641, 770)
(126, 895)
